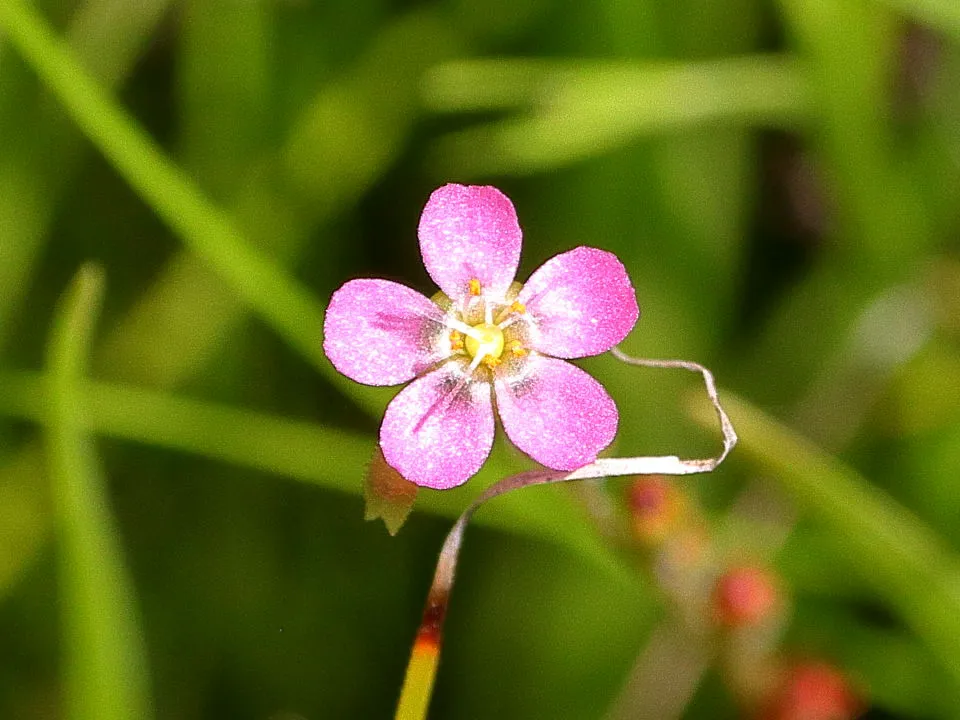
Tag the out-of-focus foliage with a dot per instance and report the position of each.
(782, 180)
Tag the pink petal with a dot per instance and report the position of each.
(470, 232)
(379, 332)
(438, 431)
(556, 413)
(580, 303)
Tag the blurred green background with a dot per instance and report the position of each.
(182, 534)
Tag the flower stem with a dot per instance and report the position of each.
(421, 673)
(425, 656)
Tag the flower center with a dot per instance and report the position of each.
(488, 342)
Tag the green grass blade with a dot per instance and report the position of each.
(108, 37)
(877, 228)
(105, 659)
(584, 109)
(308, 452)
(338, 146)
(283, 302)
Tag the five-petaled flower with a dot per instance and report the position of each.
(484, 331)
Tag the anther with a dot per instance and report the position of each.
(517, 348)
(456, 340)
(475, 287)
(508, 316)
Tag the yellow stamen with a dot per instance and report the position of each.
(474, 287)
(514, 308)
(517, 349)
(456, 340)
(491, 362)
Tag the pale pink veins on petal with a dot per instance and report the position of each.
(439, 430)
(580, 303)
(379, 332)
(470, 232)
(556, 413)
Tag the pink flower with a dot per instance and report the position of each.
(483, 331)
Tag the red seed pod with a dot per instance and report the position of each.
(814, 691)
(656, 506)
(745, 596)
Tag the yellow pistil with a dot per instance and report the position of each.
(475, 287)
(487, 343)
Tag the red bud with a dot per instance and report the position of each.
(656, 506)
(814, 691)
(745, 596)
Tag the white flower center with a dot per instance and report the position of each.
(477, 329)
